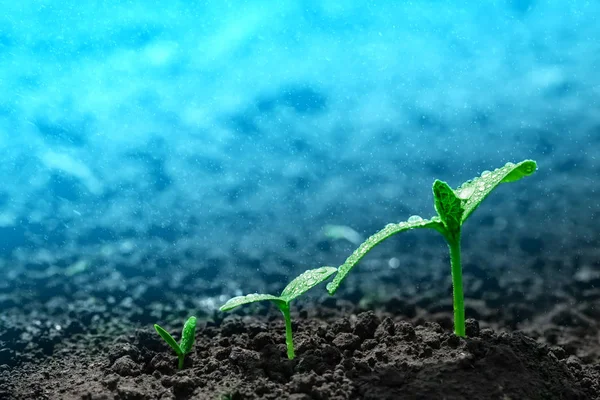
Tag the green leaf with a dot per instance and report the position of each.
(413, 222)
(249, 298)
(188, 335)
(474, 191)
(523, 169)
(169, 339)
(306, 281)
(448, 205)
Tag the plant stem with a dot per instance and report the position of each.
(181, 359)
(457, 285)
(285, 310)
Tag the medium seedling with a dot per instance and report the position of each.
(453, 208)
(304, 282)
(187, 339)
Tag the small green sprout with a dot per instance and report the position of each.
(453, 208)
(304, 282)
(187, 339)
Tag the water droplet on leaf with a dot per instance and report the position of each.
(466, 192)
(415, 218)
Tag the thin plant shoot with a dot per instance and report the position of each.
(453, 208)
(300, 285)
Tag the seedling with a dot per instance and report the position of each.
(187, 339)
(304, 282)
(453, 208)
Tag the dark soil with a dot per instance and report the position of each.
(360, 356)
(88, 334)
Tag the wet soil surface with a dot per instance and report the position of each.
(363, 356)
(70, 332)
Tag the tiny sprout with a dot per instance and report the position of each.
(187, 339)
(453, 208)
(304, 282)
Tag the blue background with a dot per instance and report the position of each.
(242, 128)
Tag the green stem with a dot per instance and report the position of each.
(285, 310)
(457, 285)
(181, 359)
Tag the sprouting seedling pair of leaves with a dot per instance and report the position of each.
(188, 335)
(453, 208)
(300, 285)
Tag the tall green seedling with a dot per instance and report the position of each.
(453, 207)
(304, 282)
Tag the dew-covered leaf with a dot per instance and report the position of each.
(249, 298)
(413, 222)
(474, 191)
(187, 335)
(306, 281)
